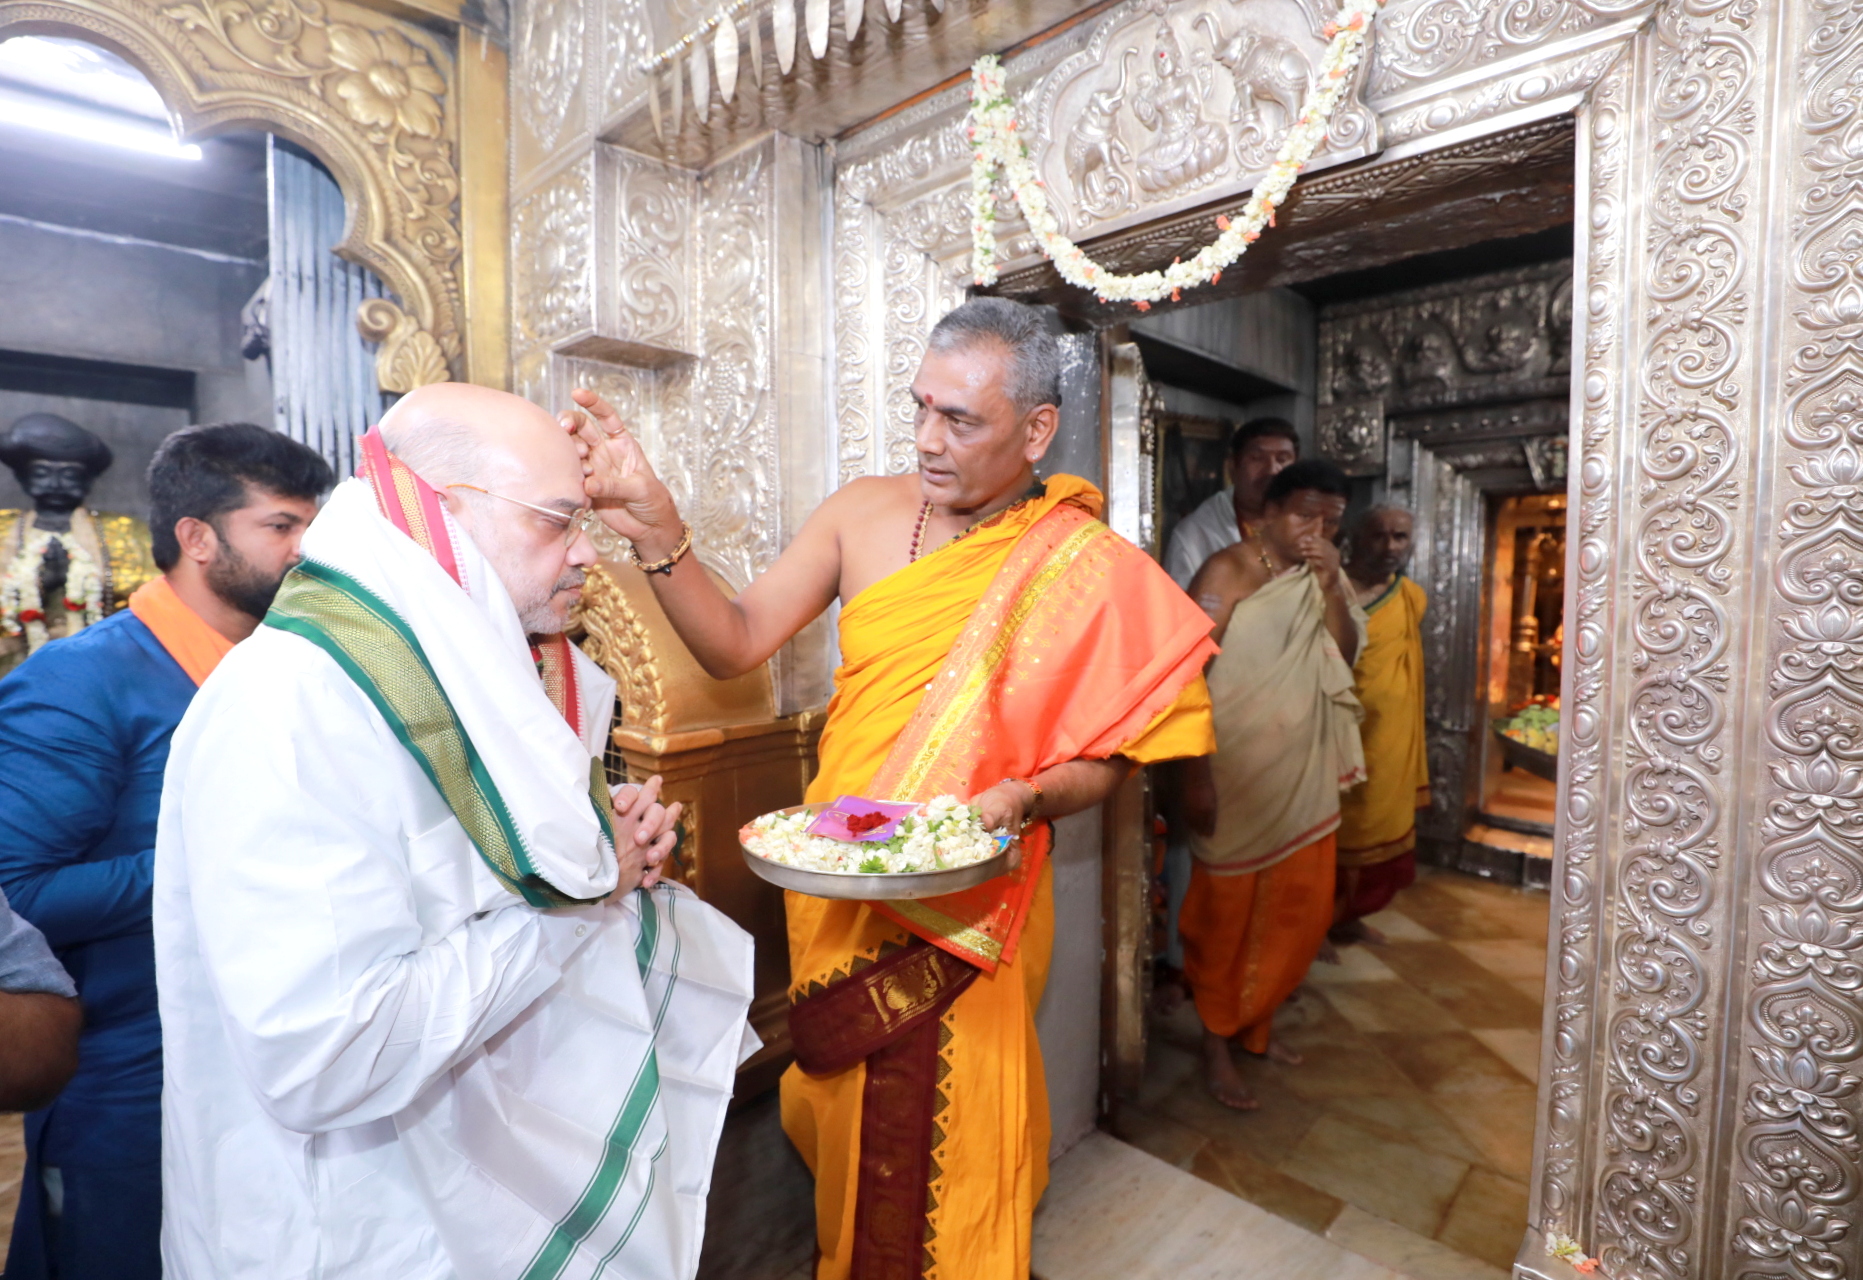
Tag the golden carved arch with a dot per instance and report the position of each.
(371, 96)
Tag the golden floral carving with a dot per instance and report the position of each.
(369, 94)
(409, 357)
(389, 83)
(616, 637)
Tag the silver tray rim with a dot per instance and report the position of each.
(860, 886)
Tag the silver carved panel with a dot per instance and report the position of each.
(1680, 593)
(1793, 1207)
(1167, 101)
(1350, 434)
(549, 105)
(1498, 338)
(552, 284)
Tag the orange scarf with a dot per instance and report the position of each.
(196, 647)
(1078, 645)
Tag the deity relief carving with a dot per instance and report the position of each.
(1493, 339)
(1169, 100)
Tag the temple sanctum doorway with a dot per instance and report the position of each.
(1438, 381)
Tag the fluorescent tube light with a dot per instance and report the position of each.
(106, 129)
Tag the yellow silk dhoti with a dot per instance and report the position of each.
(1378, 817)
(1131, 687)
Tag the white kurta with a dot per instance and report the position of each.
(1200, 535)
(379, 1062)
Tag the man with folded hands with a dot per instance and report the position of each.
(425, 1010)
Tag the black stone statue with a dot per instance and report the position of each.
(57, 462)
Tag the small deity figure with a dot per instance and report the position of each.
(1094, 153)
(1429, 361)
(1169, 101)
(62, 567)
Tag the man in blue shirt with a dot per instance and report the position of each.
(84, 731)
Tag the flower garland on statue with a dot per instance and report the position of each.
(998, 147)
(20, 611)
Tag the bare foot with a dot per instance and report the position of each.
(1348, 932)
(1224, 1080)
(1279, 1052)
(1329, 954)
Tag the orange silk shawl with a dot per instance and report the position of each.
(196, 647)
(1040, 638)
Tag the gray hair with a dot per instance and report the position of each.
(441, 451)
(1034, 355)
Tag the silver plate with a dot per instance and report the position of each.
(866, 886)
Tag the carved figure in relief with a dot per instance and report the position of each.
(1168, 99)
(1270, 77)
(972, 568)
(1094, 151)
(1429, 361)
(1508, 342)
(1364, 368)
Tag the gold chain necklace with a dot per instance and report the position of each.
(1035, 491)
(1261, 552)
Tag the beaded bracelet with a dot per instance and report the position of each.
(666, 565)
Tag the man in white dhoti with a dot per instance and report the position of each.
(426, 1011)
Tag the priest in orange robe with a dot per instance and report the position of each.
(1001, 644)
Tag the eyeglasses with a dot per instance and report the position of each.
(576, 523)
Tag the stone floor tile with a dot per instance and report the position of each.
(1522, 912)
(1398, 927)
(1500, 1126)
(1395, 1180)
(1448, 1064)
(1166, 1066)
(1508, 957)
(1519, 1048)
(1450, 917)
(1356, 964)
(1533, 989)
(1412, 1118)
(1260, 1183)
(1471, 994)
(1488, 1218)
(1388, 1006)
(1405, 1252)
(1114, 1213)
(1268, 1133)
(1158, 1135)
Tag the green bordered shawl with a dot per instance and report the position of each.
(379, 651)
